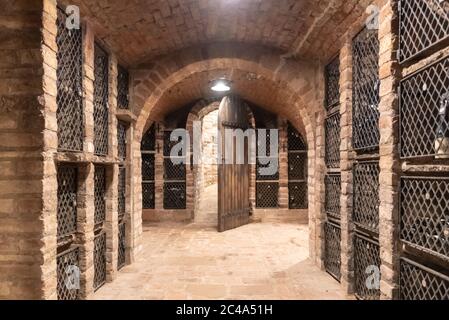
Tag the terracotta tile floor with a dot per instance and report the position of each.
(257, 261)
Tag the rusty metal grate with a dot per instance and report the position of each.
(297, 195)
(121, 261)
(423, 24)
(148, 195)
(101, 101)
(175, 195)
(69, 86)
(149, 140)
(297, 166)
(366, 265)
(174, 171)
(121, 139)
(424, 112)
(100, 194)
(99, 260)
(366, 195)
(67, 267)
(418, 282)
(366, 83)
(332, 77)
(122, 88)
(295, 140)
(332, 250)
(147, 167)
(168, 144)
(269, 162)
(332, 195)
(121, 192)
(267, 194)
(67, 200)
(425, 213)
(333, 141)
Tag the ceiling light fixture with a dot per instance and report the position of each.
(221, 85)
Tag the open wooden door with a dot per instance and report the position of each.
(233, 178)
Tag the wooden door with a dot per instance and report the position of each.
(233, 178)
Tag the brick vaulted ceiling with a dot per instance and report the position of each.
(141, 30)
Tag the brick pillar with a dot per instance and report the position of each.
(346, 158)
(319, 172)
(389, 157)
(283, 163)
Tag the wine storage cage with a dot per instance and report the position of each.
(121, 260)
(173, 170)
(267, 194)
(101, 101)
(425, 213)
(332, 249)
(367, 268)
(148, 149)
(122, 88)
(332, 184)
(332, 78)
(175, 195)
(423, 24)
(68, 274)
(121, 139)
(418, 282)
(100, 195)
(365, 51)
(295, 140)
(424, 112)
(297, 192)
(99, 260)
(366, 196)
(333, 141)
(69, 99)
(67, 201)
(121, 192)
(297, 169)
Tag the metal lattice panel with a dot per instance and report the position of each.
(418, 282)
(147, 167)
(366, 263)
(100, 194)
(267, 195)
(332, 76)
(295, 140)
(297, 166)
(332, 249)
(260, 169)
(425, 213)
(366, 195)
(69, 87)
(121, 139)
(149, 140)
(365, 50)
(101, 101)
(297, 195)
(122, 88)
(174, 195)
(121, 261)
(148, 195)
(333, 141)
(121, 192)
(99, 260)
(424, 112)
(67, 268)
(67, 200)
(168, 144)
(174, 171)
(332, 195)
(423, 23)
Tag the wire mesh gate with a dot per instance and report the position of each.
(121, 261)
(332, 249)
(297, 170)
(175, 186)
(423, 24)
(69, 98)
(148, 147)
(122, 88)
(99, 260)
(122, 127)
(101, 101)
(332, 184)
(100, 195)
(332, 85)
(367, 268)
(67, 268)
(333, 140)
(267, 186)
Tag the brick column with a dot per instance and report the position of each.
(346, 163)
(320, 170)
(389, 157)
(283, 163)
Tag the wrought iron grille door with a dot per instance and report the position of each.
(101, 101)
(67, 274)
(67, 201)
(425, 213)
(297, 192)
(332, 77)
(333, 141)
(267, 194)
(366, 195)
(295, 140)
(333, 192)
(423, 24)
(418, 282)
(69, 86)
(365, 51)
(100, 195)
(121, 261)
(148, 147)
(367, 268)
(424, 112)
(122, 88)
(99, 260)
(332, 251)
(175, 186)
(121, 192)
(297, 170)
(122, 140)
